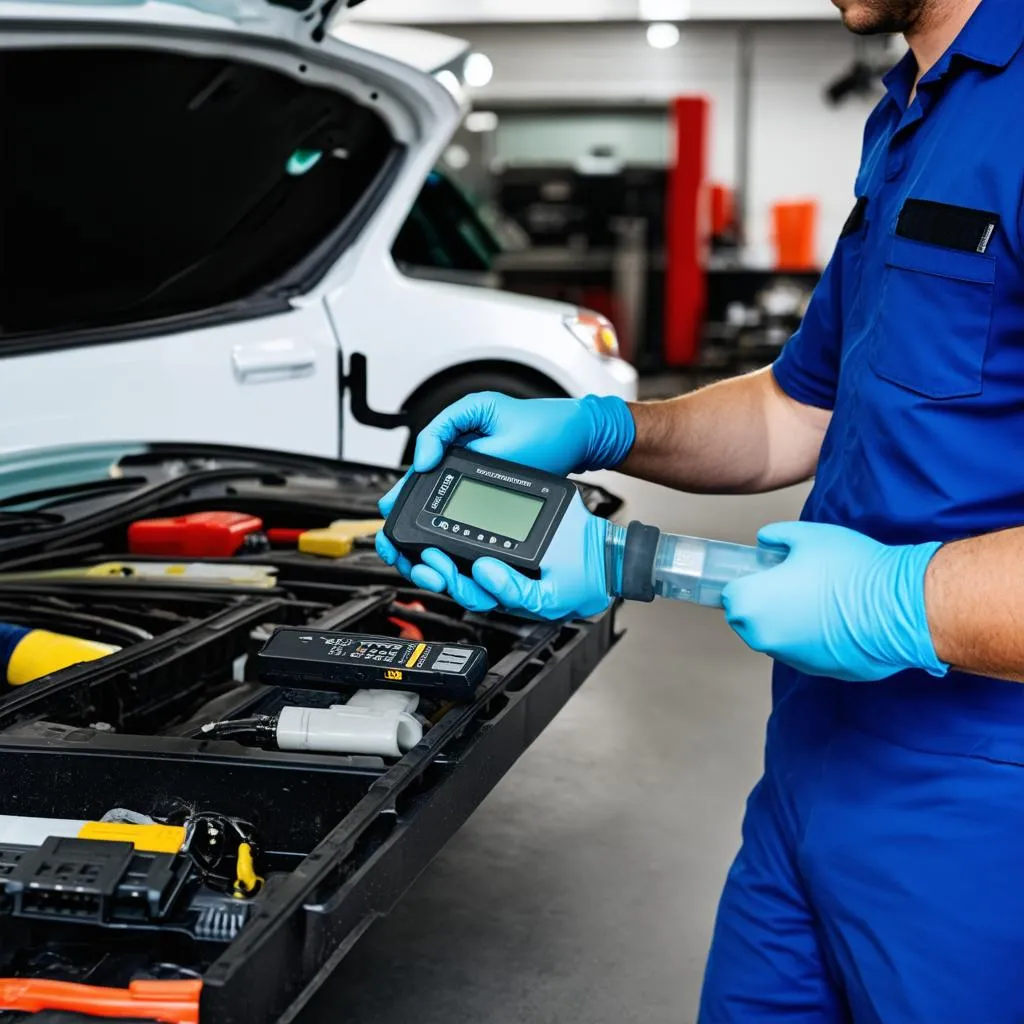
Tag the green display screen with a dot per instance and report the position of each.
(494, 509)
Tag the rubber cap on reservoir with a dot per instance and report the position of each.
(638, 562)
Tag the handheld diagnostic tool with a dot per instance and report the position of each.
(474, 505)
(313, 660)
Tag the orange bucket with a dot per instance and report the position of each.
(796, 233)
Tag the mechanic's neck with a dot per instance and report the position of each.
(936, 30)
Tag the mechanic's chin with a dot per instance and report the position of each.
(856, 17)
(876, 17)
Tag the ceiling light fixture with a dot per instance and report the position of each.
(662, 35)
(478, 70)
(481, 121)
(457, 157)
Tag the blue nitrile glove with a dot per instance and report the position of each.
(841, 605)
(439, 575)
(572, 583)
(559, 435)
(388, 553)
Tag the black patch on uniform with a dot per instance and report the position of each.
(952, 227)
(856, 219)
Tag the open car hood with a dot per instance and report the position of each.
(313, 136)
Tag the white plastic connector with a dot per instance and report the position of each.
(385, 700)
(344, 729)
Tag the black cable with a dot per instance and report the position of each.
(65, 620)
(258, 726)
(212, 842)
(172, 972)
(437, 620)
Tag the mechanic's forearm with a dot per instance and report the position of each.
(742, 436)
(975, 602)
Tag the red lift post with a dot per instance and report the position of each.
(686, 232)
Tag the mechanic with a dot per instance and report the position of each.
(881, 876)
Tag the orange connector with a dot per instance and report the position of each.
(170, 1002)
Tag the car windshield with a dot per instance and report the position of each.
(47, 469)
(445, 231)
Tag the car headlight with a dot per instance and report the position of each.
(594, 332)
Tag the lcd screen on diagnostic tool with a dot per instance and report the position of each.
(494, 509)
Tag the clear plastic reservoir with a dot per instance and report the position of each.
(696, 570)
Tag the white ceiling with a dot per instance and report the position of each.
(428, 12)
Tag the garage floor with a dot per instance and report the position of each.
(583, 890)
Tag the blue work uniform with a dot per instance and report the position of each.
(881, 877)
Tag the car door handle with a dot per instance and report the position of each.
(272, 360)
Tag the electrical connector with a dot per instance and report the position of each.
(343, 729)
(377, 723)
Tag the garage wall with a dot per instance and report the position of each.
(534, 137)
(800, 146)
(602, 63)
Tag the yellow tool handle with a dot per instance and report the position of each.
(41, 652)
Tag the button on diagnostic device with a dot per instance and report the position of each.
(314, 660)
(504, 510)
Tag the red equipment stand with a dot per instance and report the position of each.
(686, 233)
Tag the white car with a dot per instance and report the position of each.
(201, 202)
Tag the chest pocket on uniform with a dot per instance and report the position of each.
(935, 310)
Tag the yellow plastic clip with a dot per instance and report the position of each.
(247, 882)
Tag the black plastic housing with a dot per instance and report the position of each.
(90, 881)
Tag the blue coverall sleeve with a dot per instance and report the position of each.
(808, 368)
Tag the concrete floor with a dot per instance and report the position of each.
(583, 890)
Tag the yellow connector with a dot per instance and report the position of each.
(151, 838)
(336, 540)
(325, 544)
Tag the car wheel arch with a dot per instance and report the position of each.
(454, 382)
(498, 368)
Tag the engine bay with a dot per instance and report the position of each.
(184, 828)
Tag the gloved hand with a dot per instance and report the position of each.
(572, 583)
(841, 605)
(559, 435)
